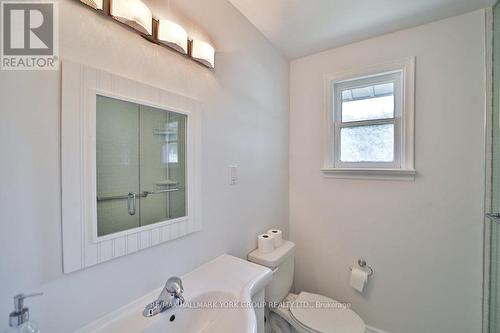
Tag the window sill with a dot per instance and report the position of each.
(370, 173)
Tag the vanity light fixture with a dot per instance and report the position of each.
(133, 13)
(96, 4)
(173, 35)
(203, 52)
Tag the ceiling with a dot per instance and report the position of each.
(303, 27)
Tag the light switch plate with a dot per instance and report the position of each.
(233, 174)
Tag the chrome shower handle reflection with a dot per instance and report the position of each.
(131, 203)
(144, 194)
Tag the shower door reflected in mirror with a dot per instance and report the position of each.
(140, 165)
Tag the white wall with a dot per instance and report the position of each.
(245, 122)
(423, 238)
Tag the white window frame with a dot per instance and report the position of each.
(402, 73)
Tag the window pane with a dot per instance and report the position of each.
(367, 103)
(373, 143)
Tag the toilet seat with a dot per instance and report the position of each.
(325, 315)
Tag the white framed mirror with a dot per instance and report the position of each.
(141, 166)
(130, 166)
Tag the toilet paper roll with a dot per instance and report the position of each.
(359, 278)
(265, 243)
(278, 236)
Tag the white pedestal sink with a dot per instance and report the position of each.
(223, 295)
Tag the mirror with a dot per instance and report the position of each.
(131, 166)
(140, 165)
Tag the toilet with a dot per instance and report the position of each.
(305, 312)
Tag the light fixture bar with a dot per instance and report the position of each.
(135, 14)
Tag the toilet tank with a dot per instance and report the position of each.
(281, 262)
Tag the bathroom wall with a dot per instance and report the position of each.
(423, 238)
(245, 122)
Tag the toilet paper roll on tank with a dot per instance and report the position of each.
(277, 236)
(269, 241)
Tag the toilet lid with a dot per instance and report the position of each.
(325, 315)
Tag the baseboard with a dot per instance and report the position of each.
(370, 329)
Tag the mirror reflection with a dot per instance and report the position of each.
(141, 165)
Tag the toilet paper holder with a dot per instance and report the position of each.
(363, 265)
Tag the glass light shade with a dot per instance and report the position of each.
(173, 35)
(96, 4)
(133, 13)
(203, 53)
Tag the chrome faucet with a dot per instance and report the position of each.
(170, 296)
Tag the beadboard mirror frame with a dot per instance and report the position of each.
(80, 86)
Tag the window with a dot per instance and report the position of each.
(170, 147)
(367, 118)
(371, 123)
